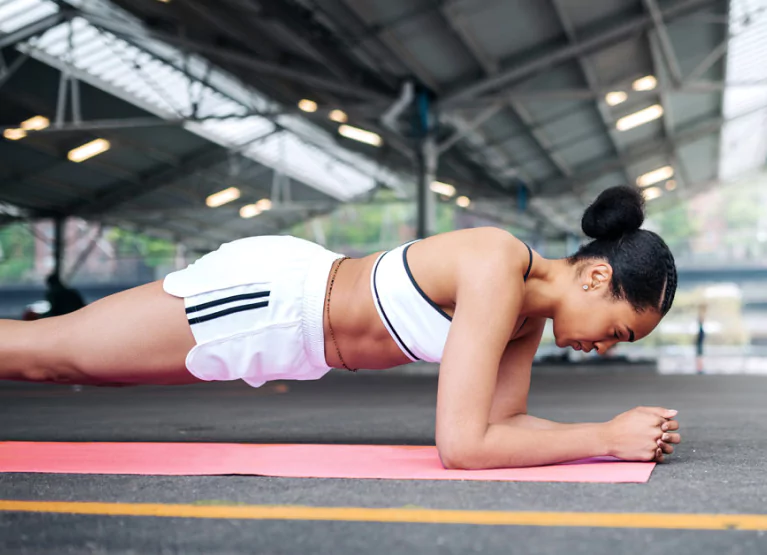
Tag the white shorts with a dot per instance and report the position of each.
(255, 307)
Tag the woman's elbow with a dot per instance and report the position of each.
(459, 455)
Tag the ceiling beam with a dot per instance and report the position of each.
(610, 35)
(592, 81)
(7, 72)
(127, 123)
(463, 128)
(593, 170)
(236, 57)
(393, 44)
(585, 94)
(128, 190)
(666, 48)
(321, 44)
(227, 23)
(713, 57)
(659, 69)
(461, 29)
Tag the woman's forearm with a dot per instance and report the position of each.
(507, 445)
(534, 423)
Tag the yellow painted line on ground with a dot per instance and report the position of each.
(676, 521)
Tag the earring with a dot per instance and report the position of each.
(585, 287)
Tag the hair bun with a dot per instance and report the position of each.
(615, 212)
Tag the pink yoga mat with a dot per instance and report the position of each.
(289, 461)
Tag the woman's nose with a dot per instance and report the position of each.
(603, 346)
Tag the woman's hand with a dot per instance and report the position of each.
(642, 434)
(667, 439)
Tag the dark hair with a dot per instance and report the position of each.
(644, 272)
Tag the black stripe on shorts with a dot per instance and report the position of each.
(226, 312)
(227, 300)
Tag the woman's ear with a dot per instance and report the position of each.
(599, 275)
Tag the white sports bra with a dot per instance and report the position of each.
(417, 324)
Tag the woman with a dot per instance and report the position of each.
(269, 308)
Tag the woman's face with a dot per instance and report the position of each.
(591, 318)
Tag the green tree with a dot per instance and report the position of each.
(153, 251)
(17, 252)
(676, 226)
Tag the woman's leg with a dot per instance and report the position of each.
(139, 336)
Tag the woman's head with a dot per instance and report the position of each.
(625, 278)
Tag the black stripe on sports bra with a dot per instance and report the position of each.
(435, 305)
(527, 274)
(418, 287)
(398, 339)
(529, 266)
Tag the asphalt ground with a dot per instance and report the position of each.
(718, 470)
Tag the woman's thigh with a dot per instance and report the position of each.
(136, 336)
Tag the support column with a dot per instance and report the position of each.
(58, 244)
(427, 168)
(428, 157)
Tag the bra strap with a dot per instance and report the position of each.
(530, 265)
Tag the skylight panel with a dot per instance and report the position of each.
(157, 79)
(743, 146)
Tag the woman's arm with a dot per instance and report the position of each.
(512, 385)
(509, 406)
(488, 301)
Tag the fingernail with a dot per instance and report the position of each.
(665, 437)
(659, 442)
(664, 427)
(672, 412)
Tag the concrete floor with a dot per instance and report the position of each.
(719, 468)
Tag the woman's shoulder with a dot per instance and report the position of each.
(487, 258)
(481, 245)
(485, 233)
(477, 237)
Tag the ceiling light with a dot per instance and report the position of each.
(442, 188)
(88, 150)
(463, 202)
(639, 118)
(670, 185)
(646, 83)
(652, 193)
(339, 116)
(307, 105)
(264, 204)
(222, 197)
(360, 135)
(14, 134)
(616, 97)
(650, 178)
(36, 123)
(249, 211)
